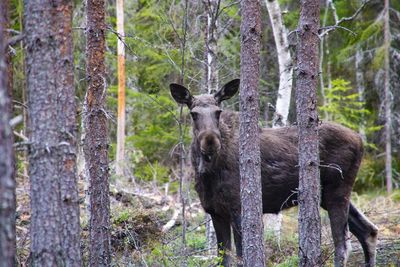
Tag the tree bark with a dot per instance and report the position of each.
(388, 111)
(7, 170)
(284, 61)
(96, 136)
(212, 9)
(307, 120)
(120, 157)
(273, 221)
(249, 143)
(67, 131)
(360, 86)
(44, 151)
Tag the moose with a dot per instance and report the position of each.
(215, 158)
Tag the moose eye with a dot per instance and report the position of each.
(218, 114)
(194, 115)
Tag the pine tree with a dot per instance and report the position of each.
(44, 152)
(67, 134)
(249, 142)
(96, 136)
(307, 121)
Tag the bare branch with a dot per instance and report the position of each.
(325, 30)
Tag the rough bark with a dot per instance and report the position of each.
(249, 142)
(120, 157)
(96, 136)
(388, 111)
(67, 134)
(307, 120)
(7, 181)
(44, 151)
(211, 71)
(284, 61)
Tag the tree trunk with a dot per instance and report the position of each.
(388, 111)
(96, 136)
(44, 153)
(273, 221)
(307, 120)
(120, 157)
(211, 8)
(211, 73)
(67, 131)
(360, 86)
(284, 61)
(321, 62)
(7, 180)
(249, 142)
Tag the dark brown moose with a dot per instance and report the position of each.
(215, 158)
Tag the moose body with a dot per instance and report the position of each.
(215, 158)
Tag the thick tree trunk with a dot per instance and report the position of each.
(249, 142)
(120, 157)
(284, 61)
(211, 71)
(388, 111)
(7, 180)
(307, 120)
(44, 153)
(96, 135)
(67, 131)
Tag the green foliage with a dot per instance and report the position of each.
(343, 106)
(292, 260)
(371, 174)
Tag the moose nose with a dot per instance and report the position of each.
(209, 143)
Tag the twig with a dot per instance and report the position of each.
(326, 30)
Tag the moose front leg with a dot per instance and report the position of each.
(223, 232)
(237, 234)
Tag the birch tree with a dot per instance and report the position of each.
(387, 101)
(120, 157)
(284, 62)
(307, 121)
(96, 136)
(211, 37)
(211, 8)
(272, 221)
(249, 142)
(7, 180)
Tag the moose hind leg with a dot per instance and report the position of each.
(366, 232)
(223, 233)
(338, 216)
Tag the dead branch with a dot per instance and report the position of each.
(325, 30)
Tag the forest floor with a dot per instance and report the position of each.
(147, 230)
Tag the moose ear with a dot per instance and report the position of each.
(181, 94)
(227, 91)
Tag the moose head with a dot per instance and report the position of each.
(205, 110)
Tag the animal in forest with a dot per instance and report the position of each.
(215, 158)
